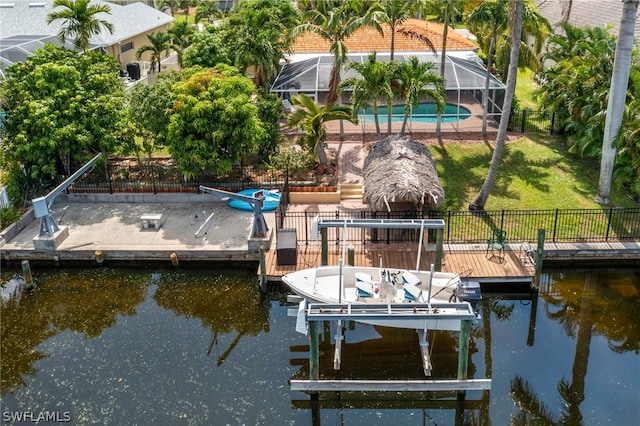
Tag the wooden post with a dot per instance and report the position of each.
(463, 352)
(26, 274)
(539, 253)
(350, 255)
(439, 249)
(314, 353)
(324, 255)
(263, 270)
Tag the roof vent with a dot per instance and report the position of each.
(7, 5)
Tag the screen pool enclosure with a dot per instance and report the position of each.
(464, 74)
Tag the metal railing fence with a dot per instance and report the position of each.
(569, 225)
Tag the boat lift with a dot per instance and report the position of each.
(314, 314)
(321, 226)
(42, 205)
(260, 228)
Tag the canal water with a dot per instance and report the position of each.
(126, 347)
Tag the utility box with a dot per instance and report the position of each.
(133, 69)
(286, 253)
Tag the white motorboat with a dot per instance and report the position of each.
(444, 291)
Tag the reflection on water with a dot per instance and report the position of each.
(139, 347)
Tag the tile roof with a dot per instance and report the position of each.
(368, 39)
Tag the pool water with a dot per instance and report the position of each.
(423, 113)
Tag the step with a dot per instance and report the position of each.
(351, 191)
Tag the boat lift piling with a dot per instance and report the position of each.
(316, 313)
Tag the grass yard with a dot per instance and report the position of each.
(525, 86)
(536, 172)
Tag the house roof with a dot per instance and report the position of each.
(368, 39)
(587, 13)
(29, 17)
(24, 27)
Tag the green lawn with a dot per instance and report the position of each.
(536, 172)
(525, 87)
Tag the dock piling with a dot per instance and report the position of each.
(26, 273)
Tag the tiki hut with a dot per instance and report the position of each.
(401, 175)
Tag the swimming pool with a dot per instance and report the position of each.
(423, 113)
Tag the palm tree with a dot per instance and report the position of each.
(172, 5)
(516, 33)
(617, 97)
(160, 42)
(334, 25)
(181, 33)
(311, 118)
(255, 40)
(394, 13)
(415, 79)
(185, 5)
(489, 21)
(490, 17)
(534, 26)
(449, 12)
(80, 21)
(373, 84)
(209, 10)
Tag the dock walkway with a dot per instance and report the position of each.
(472, 264)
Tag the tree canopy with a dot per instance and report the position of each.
(215, 121)
(206, 50)
(63, 107)
(255, 36)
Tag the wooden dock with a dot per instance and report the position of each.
(470, 263)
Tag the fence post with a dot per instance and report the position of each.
(606, 238)
(106, 166)
(523, 123)
(553, 121)
(555, 226)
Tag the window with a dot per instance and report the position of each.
(126, 47)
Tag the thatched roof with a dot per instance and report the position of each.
(403, 171)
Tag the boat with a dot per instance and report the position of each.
(447, 295)
(270, 202)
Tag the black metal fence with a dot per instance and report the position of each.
(528, 121)
(570, 225)
(127, 175)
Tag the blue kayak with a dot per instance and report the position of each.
(271, 200)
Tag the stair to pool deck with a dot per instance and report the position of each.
(351, 191)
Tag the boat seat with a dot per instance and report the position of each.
(412, 293)
(364, 289)
(363, 277)
(409, 279)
